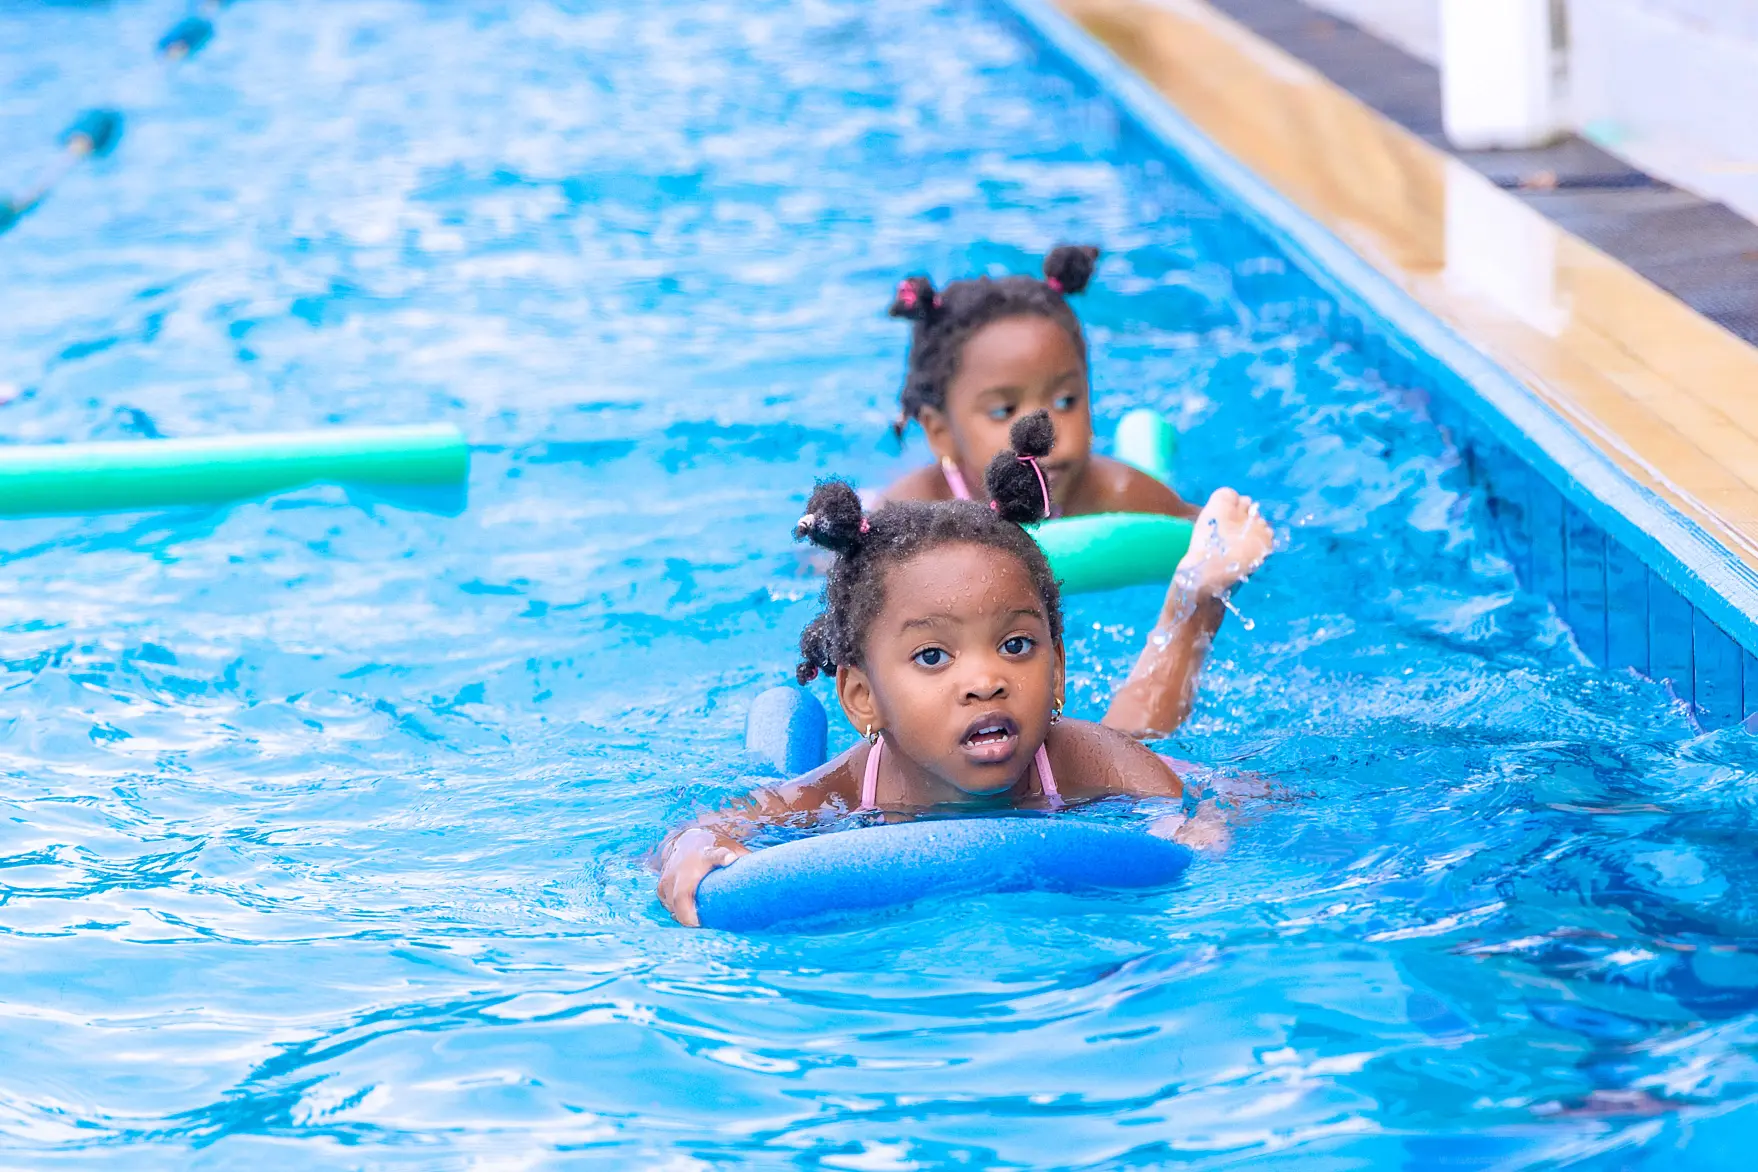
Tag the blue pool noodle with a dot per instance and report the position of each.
(888, 866)
(786, 730)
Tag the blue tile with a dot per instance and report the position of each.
(1469, 457)
(1544, 512)
(1669, 639)
(1626, 609)
(1720, 687)
(1749, 666)
(1584, 582)
(1509, 483)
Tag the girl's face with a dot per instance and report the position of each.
(961, 672)
(1010, 368)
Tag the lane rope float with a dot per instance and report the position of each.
(94, 133)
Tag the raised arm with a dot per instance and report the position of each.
(1230, 542)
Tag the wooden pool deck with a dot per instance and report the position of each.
(1665, 392)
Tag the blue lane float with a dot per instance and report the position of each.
(186, 37)
(879, 867)
(92, 135)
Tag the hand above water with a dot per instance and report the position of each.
(689, 857)
(1229, 541)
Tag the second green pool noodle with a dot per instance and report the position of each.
(1107, 551)
(42, 479)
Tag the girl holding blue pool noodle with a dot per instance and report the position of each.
(942, 628)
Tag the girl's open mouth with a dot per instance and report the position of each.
(991, 739)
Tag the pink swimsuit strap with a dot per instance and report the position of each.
(955, 481)
(870, 779)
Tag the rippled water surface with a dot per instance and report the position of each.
(325, 820)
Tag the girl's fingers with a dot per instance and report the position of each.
(678, 884)
(1168, 826)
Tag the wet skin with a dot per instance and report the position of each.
(1012, 367)
(960, 674)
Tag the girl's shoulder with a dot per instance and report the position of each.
(1093, 760)
(1116, 487)
(837, 780)
(926, 483)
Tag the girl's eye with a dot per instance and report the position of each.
(1018, 645)
(1066, 402)
(1001, 412)
(930, 657)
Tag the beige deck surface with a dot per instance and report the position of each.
(1668, 394)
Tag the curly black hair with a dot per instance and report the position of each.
(866, 547)
(946, 318)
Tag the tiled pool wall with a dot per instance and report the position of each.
(1623, 613)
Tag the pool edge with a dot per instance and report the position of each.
(1706, 571)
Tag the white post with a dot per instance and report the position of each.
(1498, 74)
(1502, 250)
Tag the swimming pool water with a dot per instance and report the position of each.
(325, 821)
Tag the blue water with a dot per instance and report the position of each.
(325, 821)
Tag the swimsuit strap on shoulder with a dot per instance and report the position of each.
(1046, 778)
(870, 780)
(954, 480)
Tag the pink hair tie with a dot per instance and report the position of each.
(1043, 485)
(1053, 283)
(866, 525)
(906, 294)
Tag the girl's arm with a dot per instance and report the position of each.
(1100, 762)
(718, 838)
(1230, 542)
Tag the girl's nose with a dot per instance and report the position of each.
(985, 685)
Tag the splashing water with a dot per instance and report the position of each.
(326, 821)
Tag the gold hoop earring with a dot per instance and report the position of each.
(872, 737)
(1056, 713)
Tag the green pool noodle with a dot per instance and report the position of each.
(1107, 551)
(43, 479)
(1146, 441)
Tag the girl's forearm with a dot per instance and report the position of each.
(1157, 696)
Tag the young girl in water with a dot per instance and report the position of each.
(984, 353)
(942, 627)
